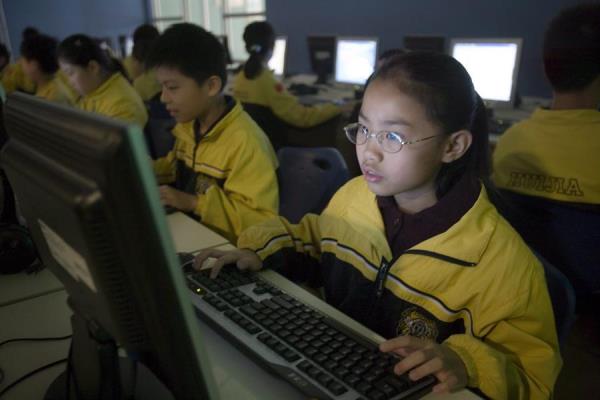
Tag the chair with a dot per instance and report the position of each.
(562, 296)
(282, 134)
(157, 131)
(567, 236)
(308, 178)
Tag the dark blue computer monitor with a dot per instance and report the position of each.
(86, 188)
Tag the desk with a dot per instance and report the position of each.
(237, 377)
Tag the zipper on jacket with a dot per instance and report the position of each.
(382, 274)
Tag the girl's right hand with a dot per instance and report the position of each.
(244, 259)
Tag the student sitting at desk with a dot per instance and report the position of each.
(13, 76)
(256, 84)
(38, 59)
(415, 250)
(555, 153)
(144, 80)
(222, 164)
(99, 81)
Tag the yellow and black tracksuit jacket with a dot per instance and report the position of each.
(265, 90)
(56, 90)
(231, 169)
(146, 85)
(116, 98)
(475, 287)
(14, 78)
(553, 154)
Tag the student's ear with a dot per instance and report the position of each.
(457, 145)
(214, 84)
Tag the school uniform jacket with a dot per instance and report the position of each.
(55, 90)
(265, 90)
(14, 78)
(476, 287)
(116, 98)
(146, 85)
(231, 169)
(553, 154)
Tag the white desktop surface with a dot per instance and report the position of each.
(22, 286)
(237, 377)
(190, 236)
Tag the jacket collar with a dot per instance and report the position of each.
(104, 87)
(185, 131)
(463, 243)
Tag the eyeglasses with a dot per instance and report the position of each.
(390, 142)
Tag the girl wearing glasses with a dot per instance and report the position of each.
(415, 250)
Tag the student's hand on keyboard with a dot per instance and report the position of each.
(424, 357)
(244, 259)
(178, 199)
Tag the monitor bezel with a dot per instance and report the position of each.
(515, 73)
(338, 39)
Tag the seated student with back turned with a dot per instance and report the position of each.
(555, 153)
(549, 165)
(39, 62)
(256, 84)
(222, 165)
(13, 76)
(414, 249)
(99, 80)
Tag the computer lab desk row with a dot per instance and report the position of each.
(35, 306)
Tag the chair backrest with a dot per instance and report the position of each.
(308, 178)
(157, 131)
(562, 296)
(274, 128)
(568, 237)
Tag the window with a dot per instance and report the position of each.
(221, 17)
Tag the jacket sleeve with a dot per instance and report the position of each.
(519, 357)
(164, 167)
(288, 108)
(249, 194)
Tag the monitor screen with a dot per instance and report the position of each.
(87, 191)
(436, 44)
(225, 42)
(355, 59)
(321, 51)
(277, 61)
(493, 65)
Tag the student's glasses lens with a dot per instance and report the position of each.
(392, 143)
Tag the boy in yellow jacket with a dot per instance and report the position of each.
(222, 166)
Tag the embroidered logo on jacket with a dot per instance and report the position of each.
(413, 323)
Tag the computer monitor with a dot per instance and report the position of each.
(277, 61)
(436, 44)
(321, 51)
(86, 188)
(355, 59)
(125, 45)
(225, 42)
(493, 65)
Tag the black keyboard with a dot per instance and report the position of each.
(319, 355)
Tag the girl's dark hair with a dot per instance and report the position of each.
(444, 88)
(260, 39)
(42, 49)
(80, 49)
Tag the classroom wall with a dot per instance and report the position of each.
(61, 18)
(391, 20)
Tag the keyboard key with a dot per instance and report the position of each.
(282, 303)
(376, 395)
(313, 372)
(337, 388)
(324, 379)
(304, 365)
(290, 355)
(363, 387)
(386, 388)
